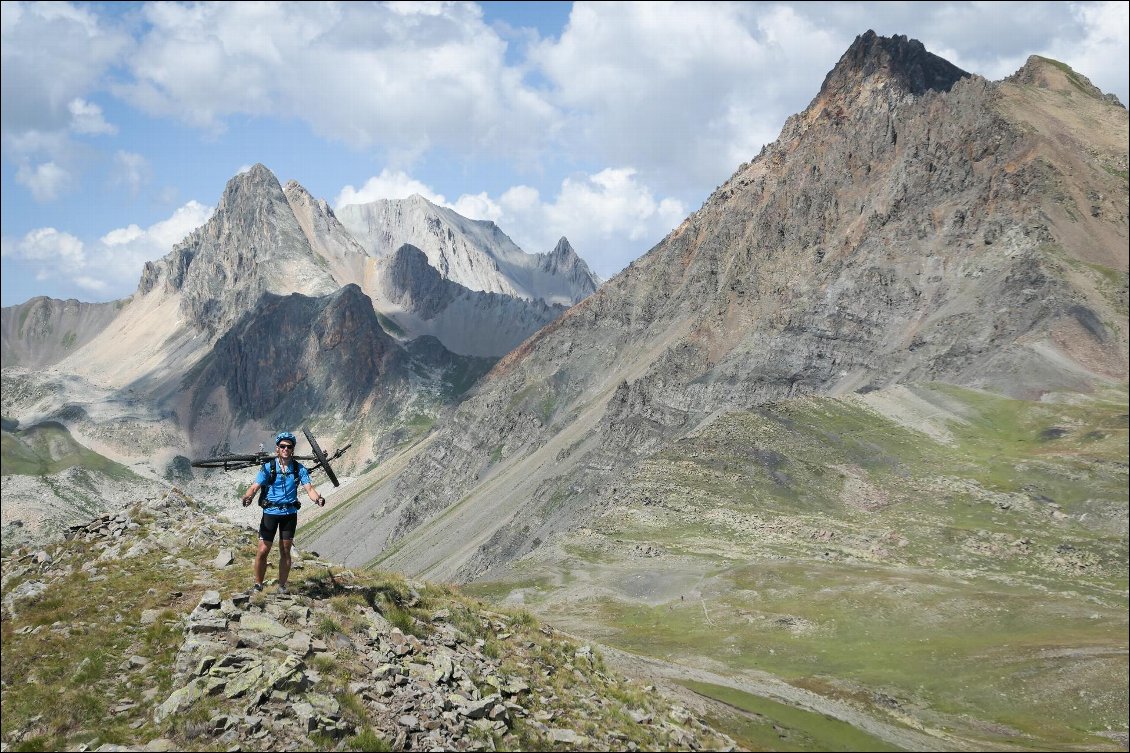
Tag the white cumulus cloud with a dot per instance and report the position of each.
(108, 267)
(390, 184)
(49, 245)
(684, 92)
(402, 78)
(86, 117)
(46, 181)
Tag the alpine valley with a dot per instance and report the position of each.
(842, 461)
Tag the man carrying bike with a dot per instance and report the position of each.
(280, 479)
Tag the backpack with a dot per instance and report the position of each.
(272, 473)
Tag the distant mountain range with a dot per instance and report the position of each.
(274, 314)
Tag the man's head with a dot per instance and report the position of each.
(285, 442)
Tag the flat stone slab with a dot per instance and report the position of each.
(261, 623)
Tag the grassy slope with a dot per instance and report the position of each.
(978, 588)
(49, 448)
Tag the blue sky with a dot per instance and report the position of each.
(607, 123)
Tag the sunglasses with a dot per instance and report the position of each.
(286, 447)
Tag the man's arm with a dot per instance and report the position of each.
(249, 494)
(316, 498)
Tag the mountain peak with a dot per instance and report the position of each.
(563, 249)
(1046, 73)
(898, 59)
(256, 181)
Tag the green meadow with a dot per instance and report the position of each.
(961, 571)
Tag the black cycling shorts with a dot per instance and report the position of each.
(286, 525)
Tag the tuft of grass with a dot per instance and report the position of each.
(327, 628)
(368, 740)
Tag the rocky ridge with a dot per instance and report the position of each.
(473, 253)
(422, 300)
(342, 661)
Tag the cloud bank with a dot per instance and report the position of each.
(606, 131)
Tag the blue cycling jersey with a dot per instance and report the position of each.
(282, 495)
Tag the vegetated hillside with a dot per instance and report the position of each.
(50, 481)
(914, 223)
(904, 321)
(140, 631)
(931, 555)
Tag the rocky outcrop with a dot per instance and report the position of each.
(912, 224)
(356, 661)
(905, 63)
(411, 282)
(43, 331)
(295, 356)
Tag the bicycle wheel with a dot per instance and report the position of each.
(323, 461)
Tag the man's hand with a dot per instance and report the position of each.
(246, 501)
(321, 501)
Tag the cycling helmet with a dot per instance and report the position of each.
(284, 435)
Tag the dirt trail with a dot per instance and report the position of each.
(669, 674)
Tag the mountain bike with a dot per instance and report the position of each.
(235, 462)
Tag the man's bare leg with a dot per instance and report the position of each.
(261, 561)
(284, 561)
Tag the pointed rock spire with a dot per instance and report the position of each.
(902, 61)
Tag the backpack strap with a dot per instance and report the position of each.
(269, 468)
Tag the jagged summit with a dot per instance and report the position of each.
(902, 61)
(563, 254)
(252, 244)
